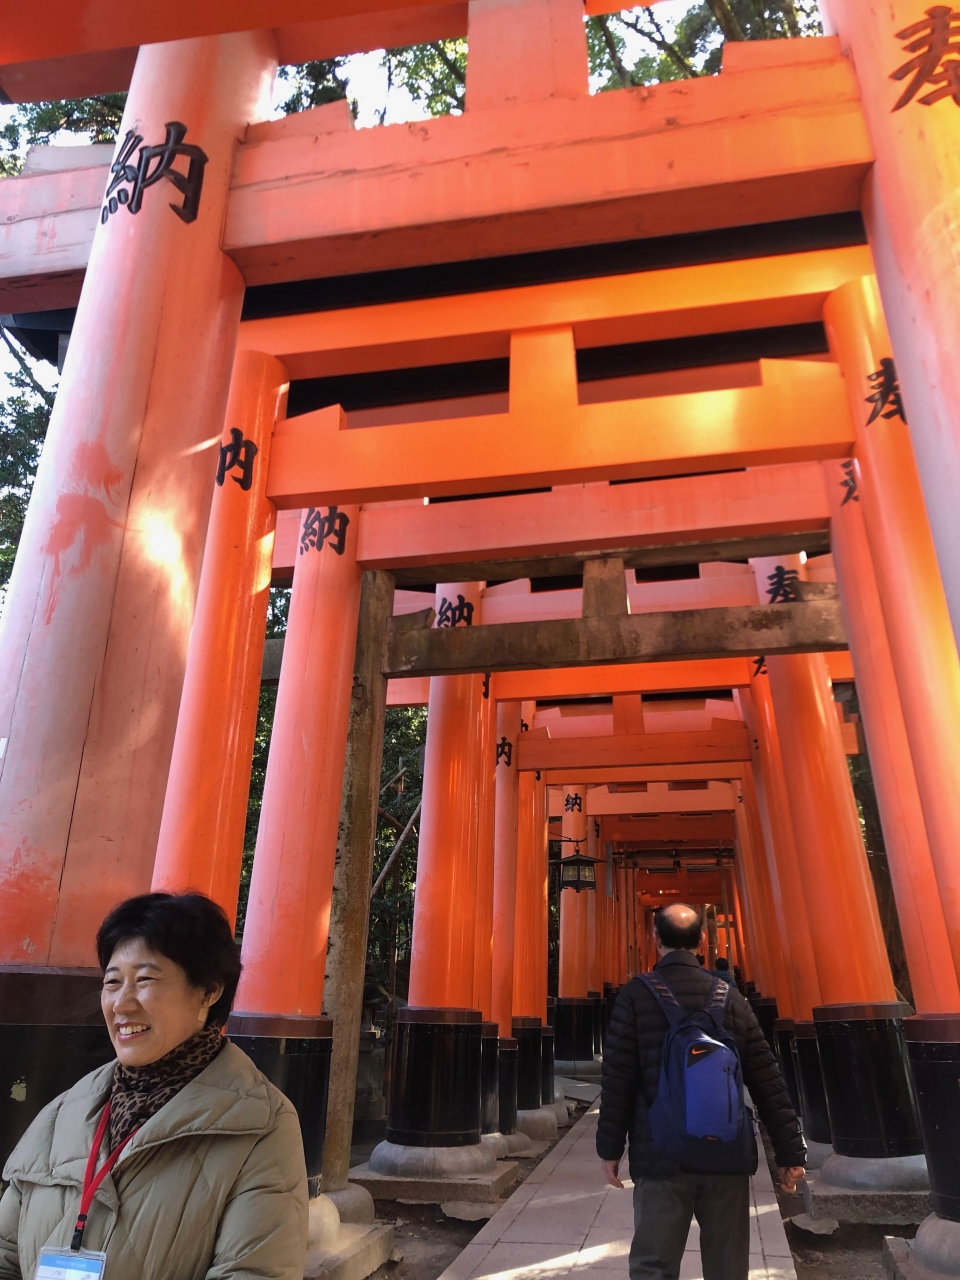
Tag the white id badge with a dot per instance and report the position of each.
(64, 1264)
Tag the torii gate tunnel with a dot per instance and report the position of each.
(690, 345)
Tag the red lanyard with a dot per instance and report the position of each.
(93, 1179)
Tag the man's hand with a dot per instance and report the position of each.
(790, 1177)
(611, 1170)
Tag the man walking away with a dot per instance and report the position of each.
(723, 970)
(706, 1026)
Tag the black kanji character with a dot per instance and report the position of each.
(238, 453)
(318, 527)
(783, 584)
(849, 482)
(154, 163)
(760, 666)
(930, 40)
(505, 751)
(573, 803)
(886, 391)
(451, 615)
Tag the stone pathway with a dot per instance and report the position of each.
(564, 1222)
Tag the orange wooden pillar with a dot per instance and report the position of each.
(97, 617)
(922, 644)
(442, 950)
(837, 885)
(793, 926)
(743, 946)
(911, 203)
(205, 810)
(573, 906)
(540, 881)
(924, 931)
(288, 915)
(755, 896)
(507, 889)
(529, 960)
(486, 802)
(596, 932)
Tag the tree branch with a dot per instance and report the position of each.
(48, 397)
(659, 40)
(395, 853)
(726, 20)
(623, 75)
(449, 63)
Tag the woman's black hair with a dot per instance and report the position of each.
(189, 929)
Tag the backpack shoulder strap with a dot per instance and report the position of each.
(716, 1005)
(669, 1005)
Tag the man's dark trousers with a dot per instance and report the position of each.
(662, 1210)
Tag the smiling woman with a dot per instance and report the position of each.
(194, 1161)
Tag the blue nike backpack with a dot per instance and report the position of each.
(699, 1117)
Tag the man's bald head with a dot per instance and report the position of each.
(678, 927)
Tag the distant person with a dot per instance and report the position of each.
(692, 1144)
(701, 960)
(722, 970)
(201, 1157)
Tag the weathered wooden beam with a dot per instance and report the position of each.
(815, 542)
(798, 627)
(604, 588)
(350, 909)
(709, 746)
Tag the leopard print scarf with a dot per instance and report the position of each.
(139, 1092)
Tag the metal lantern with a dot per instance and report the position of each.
(578, 871)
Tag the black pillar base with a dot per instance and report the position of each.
(509, 1053)
(933, 1045)
(526, 1032)
(813, 1099)
(866, 1077)
(52, 1034)
(573, 1028)
(489, 1078)
(436, 1086)
(294, 1054)
(783, 1048)
(546, 1066)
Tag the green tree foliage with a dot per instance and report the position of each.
(97, 119)
(434, 74)
(695, 45)
(314, 84)
(391, 912)
(24, 417)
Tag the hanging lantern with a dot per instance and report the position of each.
(578, 871)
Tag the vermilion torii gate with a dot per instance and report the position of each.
(647, 323)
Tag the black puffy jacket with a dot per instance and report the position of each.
(631, 1069)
